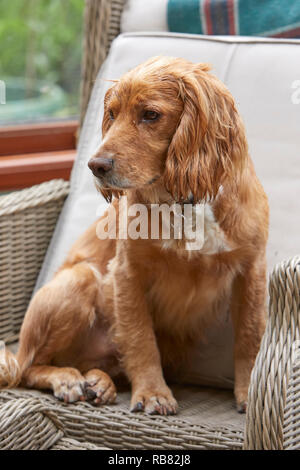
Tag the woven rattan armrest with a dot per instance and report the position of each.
(27, 220)
(273, 417)
(33, 424)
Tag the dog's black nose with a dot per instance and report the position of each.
(100, 165)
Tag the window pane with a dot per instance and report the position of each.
(40, 58)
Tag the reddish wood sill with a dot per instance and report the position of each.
(42, 137)
(31, 154)
(21, 171)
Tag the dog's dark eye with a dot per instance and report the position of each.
(111, 115)
(150, 116)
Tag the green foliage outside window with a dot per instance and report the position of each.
(41, 43)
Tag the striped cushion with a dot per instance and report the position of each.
(272, 18)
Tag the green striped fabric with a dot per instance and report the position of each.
(272, 18)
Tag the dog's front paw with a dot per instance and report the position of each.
(68, 385)
(99, 388)
(241, 407)
(160, 401)
(241, 398)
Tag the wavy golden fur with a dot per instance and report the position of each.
(171, 133)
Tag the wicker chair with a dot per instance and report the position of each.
(35, 420)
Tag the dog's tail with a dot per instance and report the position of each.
(11, 369)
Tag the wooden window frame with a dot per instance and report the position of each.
(34, 153)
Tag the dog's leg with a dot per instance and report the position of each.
(136, 339)
(248, 309)
(61, 315)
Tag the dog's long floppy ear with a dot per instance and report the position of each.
(106, 122)
(108, 194)
(209, 144)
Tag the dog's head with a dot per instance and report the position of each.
(169, 123)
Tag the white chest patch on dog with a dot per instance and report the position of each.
(214, 237)
(202, 232)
